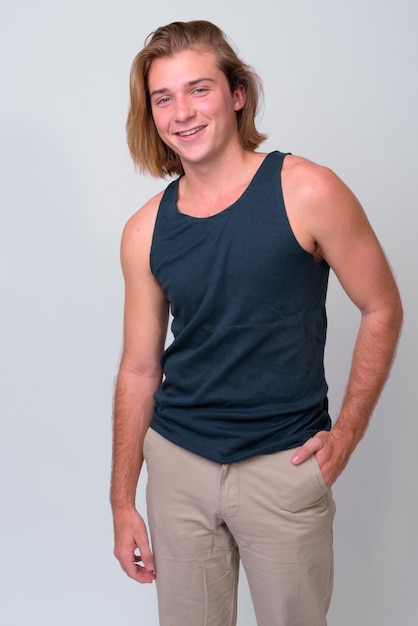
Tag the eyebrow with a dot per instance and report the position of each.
(191, 83)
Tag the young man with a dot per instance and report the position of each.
(232, 417)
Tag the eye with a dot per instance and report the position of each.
(200, 90)
(162, 101)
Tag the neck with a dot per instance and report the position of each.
(210, 178)
(208, 189)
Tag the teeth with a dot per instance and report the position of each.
(186, 133)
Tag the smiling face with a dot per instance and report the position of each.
(192, 105)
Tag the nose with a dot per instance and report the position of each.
(183, 109)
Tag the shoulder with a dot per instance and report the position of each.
(137, 233)
(329, 219)
(143, 220)
(321, 207)
(310, 181)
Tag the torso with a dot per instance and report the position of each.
(294, 188)
(243, 294)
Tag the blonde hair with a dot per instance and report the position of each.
(148, 151)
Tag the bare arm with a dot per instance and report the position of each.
(336, 227)
(145, 325)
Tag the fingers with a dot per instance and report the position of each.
(145, 556)
(331, 454)
(313, 445)
(132, 547)
(133, 565)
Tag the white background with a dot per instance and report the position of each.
(341, 89)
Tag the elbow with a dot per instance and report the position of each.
(386, 318)
(397, 311)
(393, 316)
(399, 315)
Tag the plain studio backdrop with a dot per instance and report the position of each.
(341, 89)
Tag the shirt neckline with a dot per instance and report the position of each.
(230, 206)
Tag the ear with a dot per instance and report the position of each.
(239, 97)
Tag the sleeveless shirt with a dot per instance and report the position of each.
(244, 373)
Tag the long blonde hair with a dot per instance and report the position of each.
(148, 151)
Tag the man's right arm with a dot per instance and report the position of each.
(145, 327)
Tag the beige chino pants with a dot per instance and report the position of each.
(204, 517)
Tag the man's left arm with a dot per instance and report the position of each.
(344, 238)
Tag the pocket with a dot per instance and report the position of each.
(309, 489)
(318, 472)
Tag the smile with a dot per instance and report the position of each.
(192, 131)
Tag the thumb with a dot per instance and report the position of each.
(149, 565)
(309, 448)
(147, 558)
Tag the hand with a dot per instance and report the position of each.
(332, 452)
(132, 546)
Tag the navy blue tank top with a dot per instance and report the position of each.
(244, 374)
